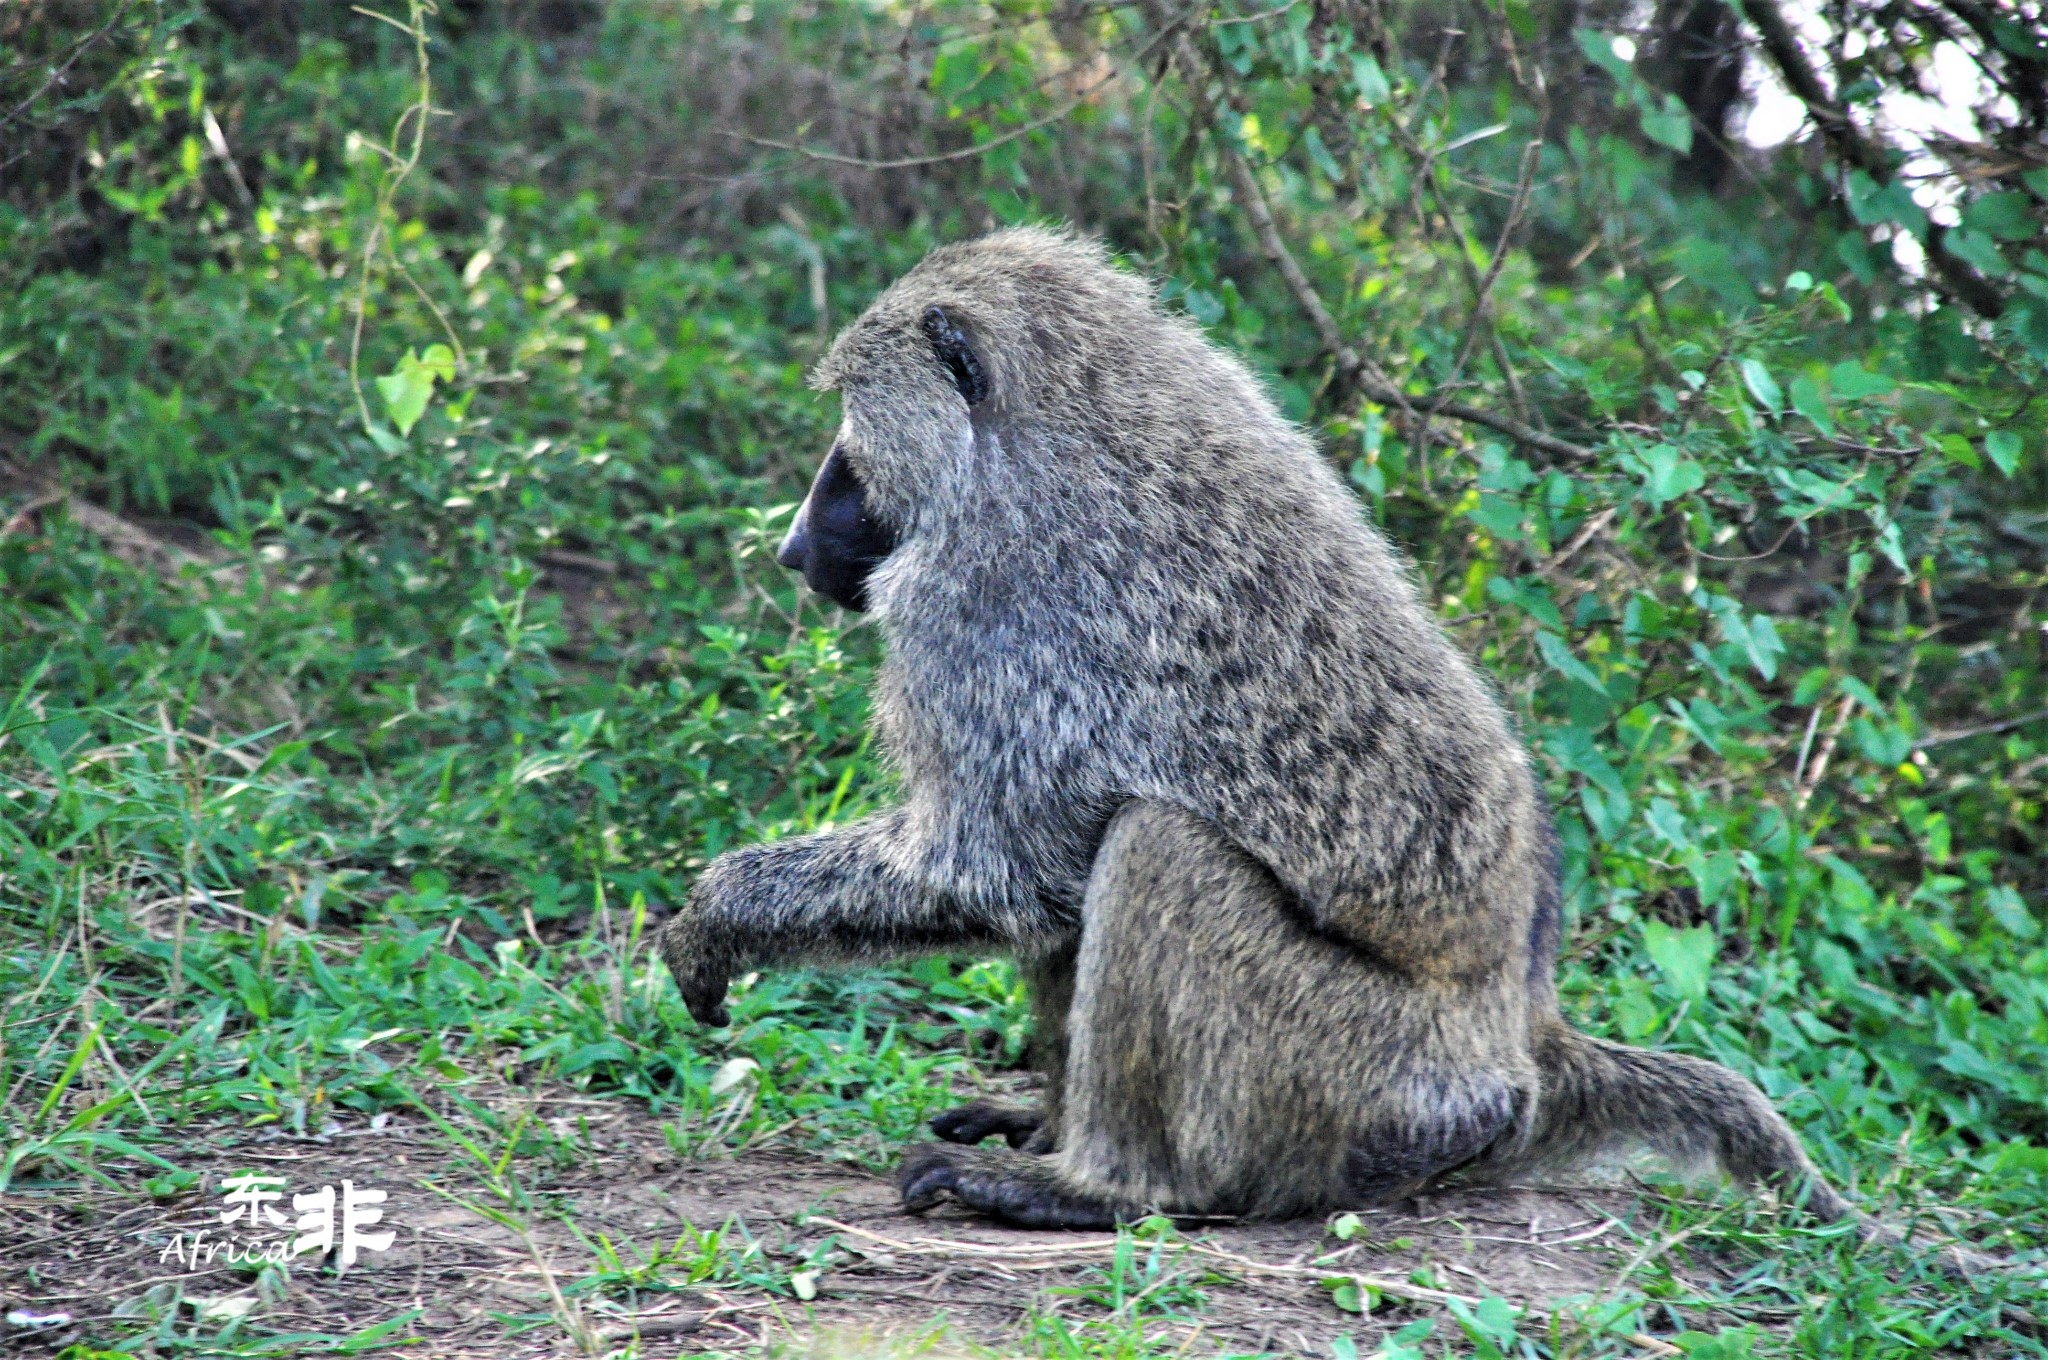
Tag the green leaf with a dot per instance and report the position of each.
(1320, 154)
(1872, 204)
(1609, 813)
(373, 1336)
(2023, 1157)
(1500, 517)
(1560, 658)
(1762, 386)
(2009, 216)
(1684, 957)
(2009, 910)
(1369, 80)
(2019, 40)
(386, 442)
(1667, 821)
(2002, 447)
(1852, 382)
(1599, 48)
(1978, 251)
(955, 72)
(1669, 124)
(1670, 475)
(1346, 1294)
(1893, 548)
(407, 388)
(1713, 266)
(1808, 401)
(1738, 1344)
(1762, 643)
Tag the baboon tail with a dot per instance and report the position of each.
(1600, 1097)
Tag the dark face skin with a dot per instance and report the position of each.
(835, 541)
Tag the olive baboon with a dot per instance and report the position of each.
(1176, 729)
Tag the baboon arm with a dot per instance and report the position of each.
(867, 891)
(872, 890)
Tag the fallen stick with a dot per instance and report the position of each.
(1047, 1255)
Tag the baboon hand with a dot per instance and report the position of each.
(698, 966)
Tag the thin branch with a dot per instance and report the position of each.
(1783, 538)
(1482, 299)
(1984, 730)
(1593, 525)
(128, 540)
(57, 72)
(936, 158)
(965, 152)
(1357, 370)
(1827, 751)
(398, 169)
(1849, 143)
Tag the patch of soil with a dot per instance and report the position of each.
(477, 1275)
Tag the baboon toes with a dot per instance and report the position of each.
(979, 1119)
(925, 1178)
(1010, 1186)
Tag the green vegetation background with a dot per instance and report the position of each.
(358, 757)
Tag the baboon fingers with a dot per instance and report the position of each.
(698, 964)
(979, 1119)
(710, 1013)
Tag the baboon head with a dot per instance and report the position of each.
(1002, 386)
(839, 536)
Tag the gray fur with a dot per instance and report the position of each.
(1176, 727)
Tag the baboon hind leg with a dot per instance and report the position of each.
(1224, 1059)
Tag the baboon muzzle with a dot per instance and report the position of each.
(835, 540)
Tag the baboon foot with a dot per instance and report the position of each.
(979, 1119)
(1014, 1187)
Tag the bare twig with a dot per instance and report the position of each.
(1982, 730)
(1086, 93)
(1806, 745)
(1482, 290)
(1781, 45)
(24, 520)
(1356, 370)
(1593, 525)
(1053, 1255)
(1827, 750)
(128, 539)
(217, 141)
(58, 72)
(939, 157)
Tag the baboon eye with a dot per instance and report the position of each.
(949, 343)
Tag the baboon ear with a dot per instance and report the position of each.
(949, 343)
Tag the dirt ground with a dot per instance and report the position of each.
(483, 1279)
